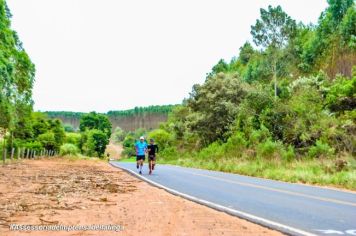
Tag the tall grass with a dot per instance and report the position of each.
(311, 171)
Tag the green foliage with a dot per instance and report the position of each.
(94, 120)
(162, 138)
(48, 140)
(73, 138)
(213, 106)
(68, 128)
(164, 109)
(69, 149)
(34, 145)
(269, 149)
(95, 144)
(342, 94)
(320, 150)
(274, 29)
(16, 74)
(128, 144)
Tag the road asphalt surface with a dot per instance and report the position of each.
(294, 209)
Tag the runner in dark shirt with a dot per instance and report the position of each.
(152, 150)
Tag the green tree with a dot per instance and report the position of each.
(96, 142)
(338, 9)
(246, 52)
(273, 31)
(94, 120)
(213, 106)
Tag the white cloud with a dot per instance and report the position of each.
(111, 54)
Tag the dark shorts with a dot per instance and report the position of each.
(140, 158)
(152, 157)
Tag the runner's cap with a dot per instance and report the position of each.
(142, 138)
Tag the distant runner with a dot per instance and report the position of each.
(152, 149)
(141, 150)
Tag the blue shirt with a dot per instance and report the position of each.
(141, 148)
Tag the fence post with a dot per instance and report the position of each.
(34, 154)
(12, 153)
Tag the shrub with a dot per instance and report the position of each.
(96, 143)
(73, 138)
(320, 149)
(235, 144)
(69, 149)
(288, 154)
(269, 149)
(213, 150)
(161, 137)
(68, 128)
(48, 140)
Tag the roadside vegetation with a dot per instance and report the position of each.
(284, 109)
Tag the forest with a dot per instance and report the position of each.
(286, 101)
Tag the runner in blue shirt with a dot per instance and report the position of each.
(141, 149)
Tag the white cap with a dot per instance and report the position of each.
(142, 137)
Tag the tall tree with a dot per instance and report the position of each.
(273, 31)
(16, 74)
(97, 121)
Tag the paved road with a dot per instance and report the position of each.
(313, 210)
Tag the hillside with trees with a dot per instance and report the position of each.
(129, 120)
(283, 109)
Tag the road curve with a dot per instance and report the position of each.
(291, 208)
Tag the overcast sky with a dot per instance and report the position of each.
(112, 54)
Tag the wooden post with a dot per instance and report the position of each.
(34, 154)
(4, 148)
(12, 153)
(27, 153)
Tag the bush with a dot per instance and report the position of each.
(320, 150)
(128, 144)
(235, 144)
(96, 143)
(68, 128)
(269, 149)
(69, 149)
(48, 140)
(73, 138)
(33, 145)
(162, 138)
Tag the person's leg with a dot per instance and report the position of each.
(141, 164)
(137, 162)
(153, 162)
(150, 165)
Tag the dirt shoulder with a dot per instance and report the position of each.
(86, 192)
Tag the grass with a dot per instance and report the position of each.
(128, 159)
(322, 172)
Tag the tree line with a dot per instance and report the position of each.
(161, 109)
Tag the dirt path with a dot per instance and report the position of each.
(83, 192)
(114, 150)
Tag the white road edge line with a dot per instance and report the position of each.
(252, 218)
